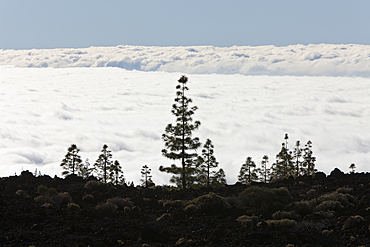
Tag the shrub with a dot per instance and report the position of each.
(120, 202)
(191, 209)
(248, 221)
(329, 206)
(42, 189)
(210, 203)
(302, 207)
(344, 199)
(47, 205)
(73, 206)
(43, 199)
(96, 185)
(62, 199)
(264, 199)
(344, 190)
(21, 193)
(173, 204)
(325, 214)
(281, 224)
(106, 208)
(164, 217)
(352, 221)
(88, 198)
(279, 215)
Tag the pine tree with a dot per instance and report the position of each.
(264, 171)
(178, 140)
(116, 173)
(206, 162)
(146, 178)
(72, 161)
(308, 165)
(297, 157)
(248, 172)
(103, 163)
(284, 165)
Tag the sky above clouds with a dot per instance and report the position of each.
(76, 24)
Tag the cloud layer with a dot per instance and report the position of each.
(297, 60)
(44, 111)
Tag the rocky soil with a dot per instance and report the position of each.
(41, 211)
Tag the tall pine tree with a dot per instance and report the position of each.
(248, 172)
(178, 139)
(116, 173)
(264, 171)
(71, 163)
(308, 165)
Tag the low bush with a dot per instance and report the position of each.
(329, 206)
(191, 209)
(22, 193)
(352, 221)
(47, 205)
(73, 206)
(281, 224)
(173, 204)
(96, 185)
(291, 215)
(120, 202)
(302, 207)
(344, 199)
(107, 207)
(210, 203)
(248, 221)
(62, 199)
(344, 190)
(164, 217)
(325, 214)
(88, 198)
(265, 200)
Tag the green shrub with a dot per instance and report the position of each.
(344, 190)
(73, 206)
(248, 221)
(47, 205)
(120, 202)
(279, 215)
(61, 199)
(42, 189)
(210, 203)
(325, 214)
(191, 209)
(281, 224)
(329, 206)
(344, 199)
(173, 204)
(264, 199)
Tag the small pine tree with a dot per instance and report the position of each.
(218, 178)
(284, 165)
(116, 173)
(71, 163)
(146, 178)
(103, 163)
(248, 172)
(178, 140)
(297, 155)
(264, 172)
(85, 170)
(205, 163)
(352, 167)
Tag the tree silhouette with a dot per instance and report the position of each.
(218, 178)
(85, 170)
(72, 161)
(116, 173)
(284, 165)
(264, 171)
(178, 140)
(146, 178)
(103, 163)
(297, 157)
(248, 172)
(308, 160)
(352, 167)
(206, 162)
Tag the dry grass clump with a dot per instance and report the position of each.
(164, 217)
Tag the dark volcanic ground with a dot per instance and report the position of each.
(159, 216)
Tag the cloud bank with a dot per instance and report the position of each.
(296, 60)
(44, 111)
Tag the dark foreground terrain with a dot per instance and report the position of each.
(309, 211)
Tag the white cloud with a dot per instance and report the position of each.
(128, 111)
(298, 60)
